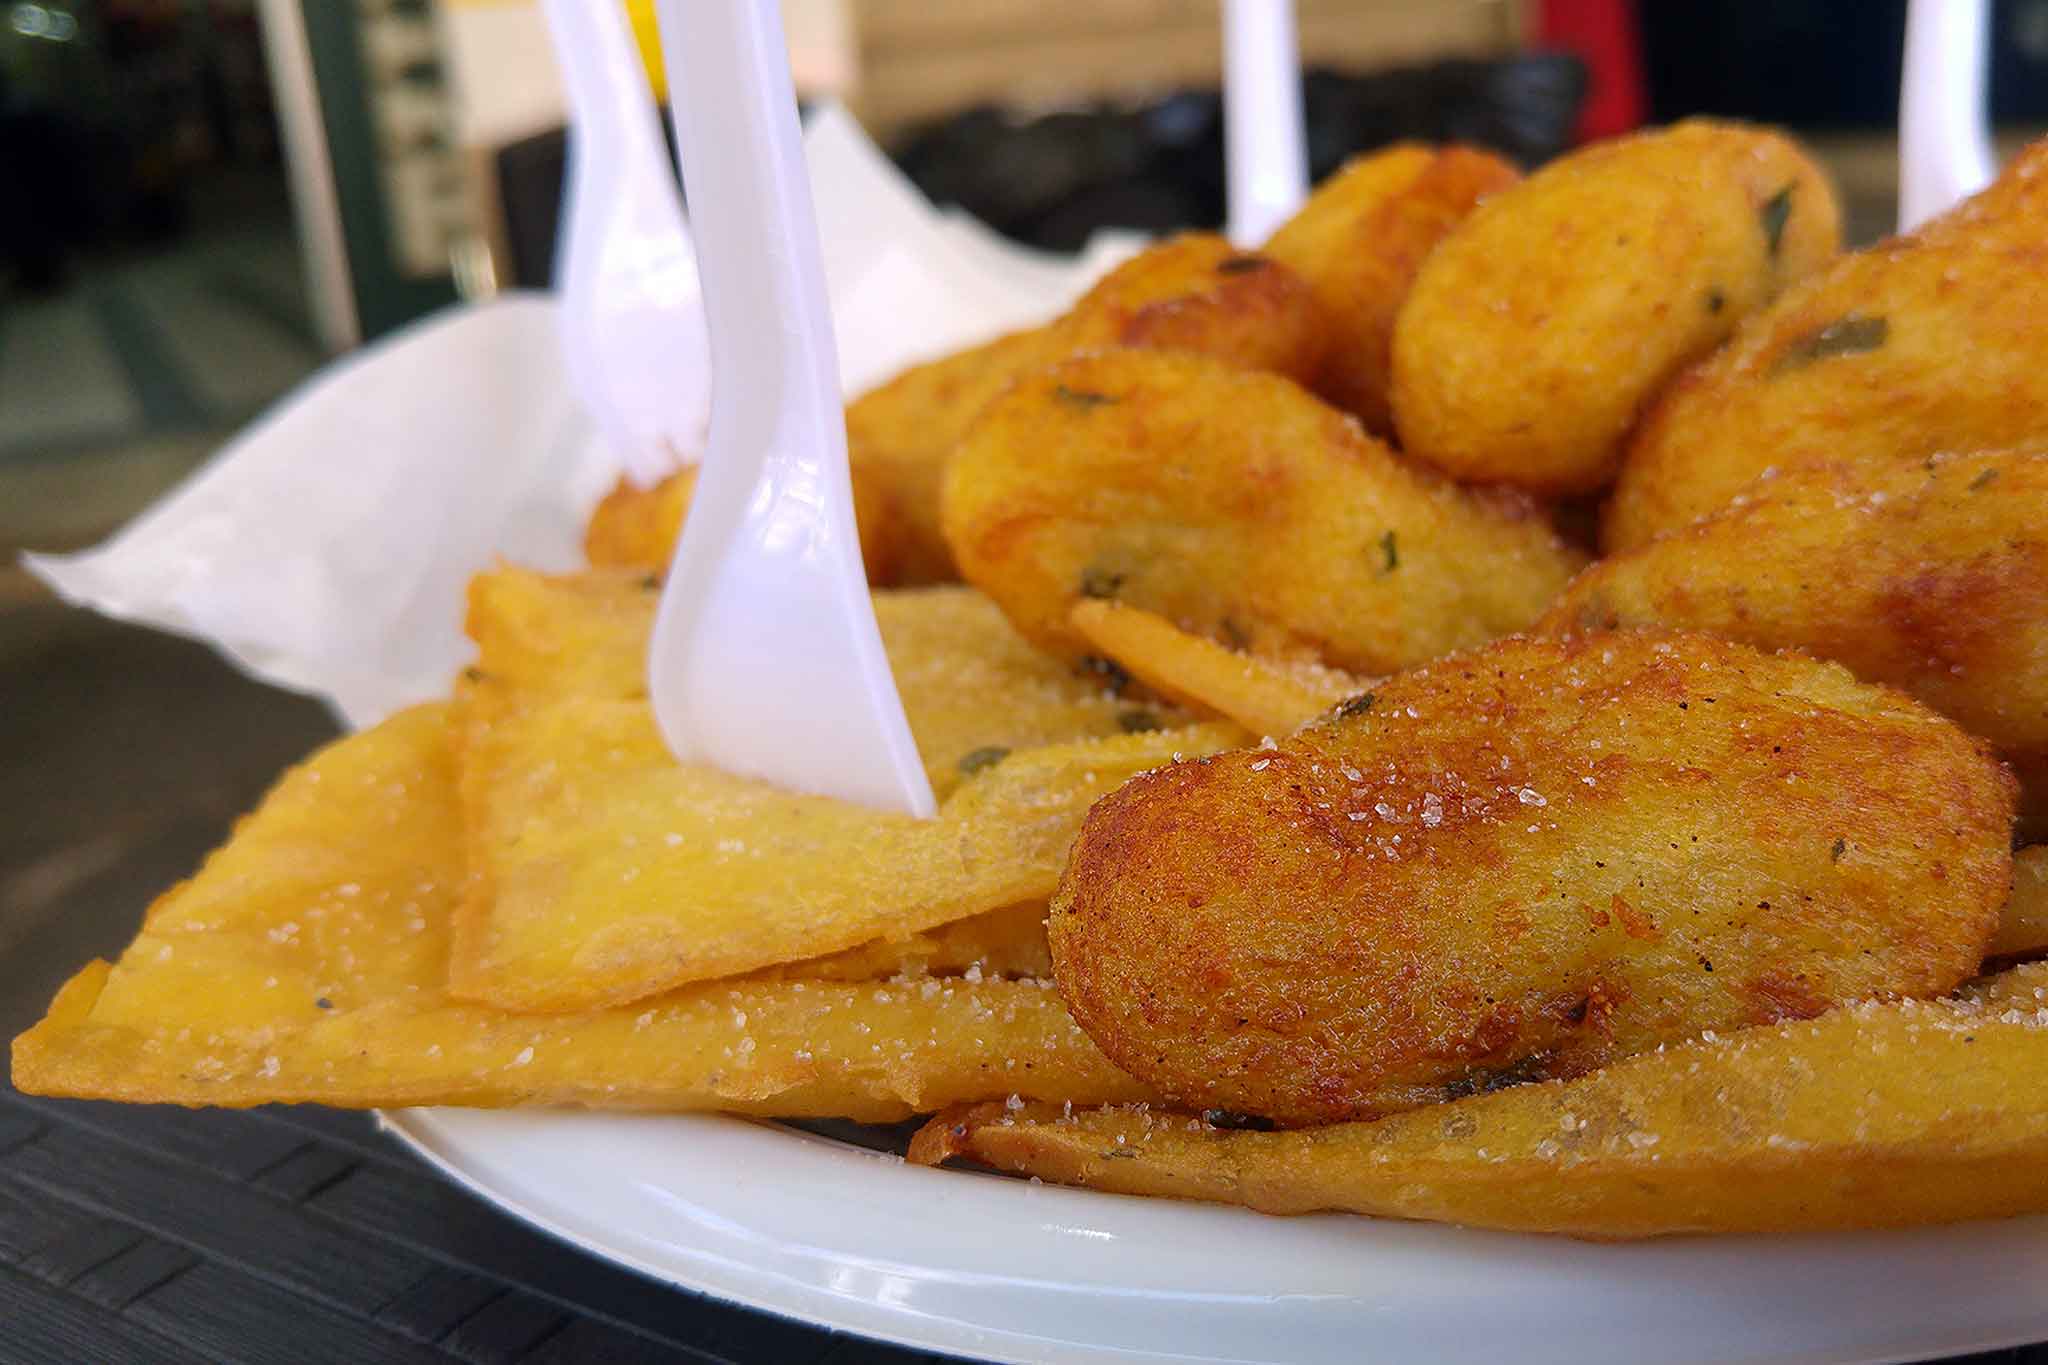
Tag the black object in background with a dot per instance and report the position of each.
(1820, 63)
(532, 178)
(1052, 181)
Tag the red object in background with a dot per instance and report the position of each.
(1605, 36)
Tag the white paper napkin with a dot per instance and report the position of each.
(326, 547)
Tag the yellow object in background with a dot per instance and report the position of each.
(645, 33)
(823, 54)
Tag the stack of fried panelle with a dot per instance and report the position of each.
(1322, 825)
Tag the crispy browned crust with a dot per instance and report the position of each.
(1873, 1116)
(1196, 292)
(1924, 343)
(1928, 575)
(899, 436)
(1539, 327)
(1239, 507)
(1359, 240)
(1525, 862)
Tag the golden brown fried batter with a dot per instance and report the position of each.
(898, 437)
(1264, 696)
(1929, 575)
(1925, 343)
(307, 962)
(1238, 507)
(1526, 862)
(1193, 292)
(1359, 240)
(636, 528)
(1560, 306)
(1196, 292)
(2023, 925)
(1873, 1116)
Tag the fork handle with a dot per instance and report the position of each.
(1944, 152)
(751, 213)
(1264, 149)
(603, 76)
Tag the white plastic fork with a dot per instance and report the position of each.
(766, 659)
(1265, 158)
(1945, 151)
(632, 329)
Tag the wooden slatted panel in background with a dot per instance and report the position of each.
(920, 60)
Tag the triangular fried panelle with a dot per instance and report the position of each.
(604, 871)
(305, 962)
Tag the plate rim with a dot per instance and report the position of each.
(759, 1288)
(407, 1127)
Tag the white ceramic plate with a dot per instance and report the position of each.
(989, 1266)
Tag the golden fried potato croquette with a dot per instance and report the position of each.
(897, 439)
(899, 436)
(1238, 507)
(1192, 292)
(1541, 325)
(1523, 863)
(636, 528)
(1924, 343)
(2023, 925)
(1359, 240)
(1930, 575)
(1196, 292)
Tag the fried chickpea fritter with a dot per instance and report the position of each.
(1928, 575)
(1929, 342)
(1359, 240)
(1238, 507)
(1542, 323)
(1526, 862)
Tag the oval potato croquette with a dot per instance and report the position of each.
(1523, 863)
(1196, 292)
(898, 438)
(1240, 508)
(1538, 328)
(1930, 342)
(636, 528)
(1359, 240)
(1192, 292)
(1930, 575)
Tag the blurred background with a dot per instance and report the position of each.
(201, 201)
(207, 198)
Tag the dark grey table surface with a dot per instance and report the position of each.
(292, 1234)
